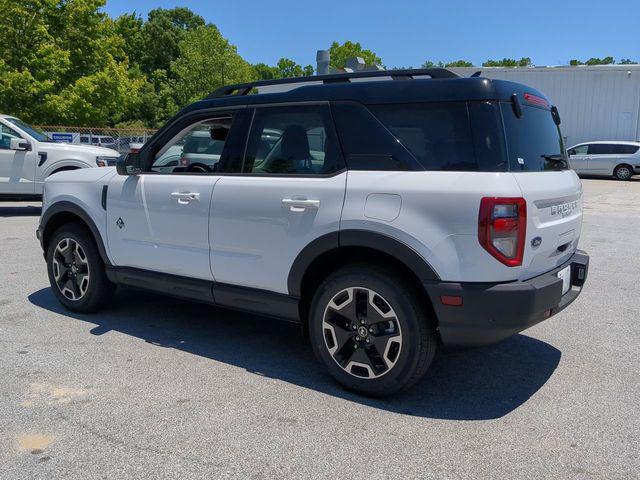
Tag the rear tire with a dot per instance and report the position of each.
(371, 330)
(623, 172)
(76, 270)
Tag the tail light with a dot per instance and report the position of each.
(502, 227)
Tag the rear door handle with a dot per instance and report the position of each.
(184, 198)
(300, 204)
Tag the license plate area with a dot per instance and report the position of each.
(565, 276)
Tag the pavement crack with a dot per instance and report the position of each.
(133, 445)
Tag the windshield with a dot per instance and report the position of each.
(534, 141)
(39, 135)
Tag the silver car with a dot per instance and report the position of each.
(620, 160)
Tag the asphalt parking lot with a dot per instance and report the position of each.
(160, 388)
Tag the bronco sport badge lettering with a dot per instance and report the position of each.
(564, 209)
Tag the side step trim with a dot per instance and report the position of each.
(252, 300)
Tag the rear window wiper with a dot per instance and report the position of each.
(557, 160)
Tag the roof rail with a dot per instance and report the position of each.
(406, 74)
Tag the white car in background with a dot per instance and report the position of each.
(620, 160)
(28, 156)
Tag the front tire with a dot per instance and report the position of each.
(623, 172)
(76, 270)
(371, 330)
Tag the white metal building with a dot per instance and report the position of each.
(595, 103)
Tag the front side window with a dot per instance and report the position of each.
(292, 140)
(197, 149)
(579, 150)
(534, 142)
(6, 134)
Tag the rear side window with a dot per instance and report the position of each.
(611, 149)
(532, 139)
(602, 149)
(627, 149)
(292, 140)
(437, 134)
(366, 143)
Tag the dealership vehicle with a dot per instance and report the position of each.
(386, 215)
(620, 160)
(28, 156)
(99, 141)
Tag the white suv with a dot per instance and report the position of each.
(386, 217)
(620, 160)
(28, 156)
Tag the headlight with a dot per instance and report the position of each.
(106, 161)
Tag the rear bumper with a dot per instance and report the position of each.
(491, 312)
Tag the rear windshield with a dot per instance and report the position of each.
(533, 140)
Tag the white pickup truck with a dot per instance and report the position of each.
(28, 156)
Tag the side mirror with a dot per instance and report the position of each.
(129, 165)
(20, 145)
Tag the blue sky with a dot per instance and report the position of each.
(407, 32)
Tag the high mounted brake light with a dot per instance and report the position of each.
(502, 227)
(535, 100)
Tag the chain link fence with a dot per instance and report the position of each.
(120, 139)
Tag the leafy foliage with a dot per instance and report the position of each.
(508, 62)
(340, 53)
(67, 62)
(285, 68)
(206, 61)
(602, 61)
(456, 63)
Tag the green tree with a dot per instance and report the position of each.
(55, 52)
(99, 99)
(459, 63)
(129, 27)
(627, 61)
(600, 61)
(340, 54)
(594, 61)
(430, 64)
(205, 62)
(262, 71)
(508, 62)
(285, 68)
(162, 34)
(288, 68)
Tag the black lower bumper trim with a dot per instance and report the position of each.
(491, 312)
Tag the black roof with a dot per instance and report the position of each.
(407, 86)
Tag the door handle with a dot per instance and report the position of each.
(184, 198)
(300, 204)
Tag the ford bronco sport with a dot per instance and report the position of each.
(387, 212)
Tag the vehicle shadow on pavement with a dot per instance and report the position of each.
(21, 211)
(635, 178)
(472, 384)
